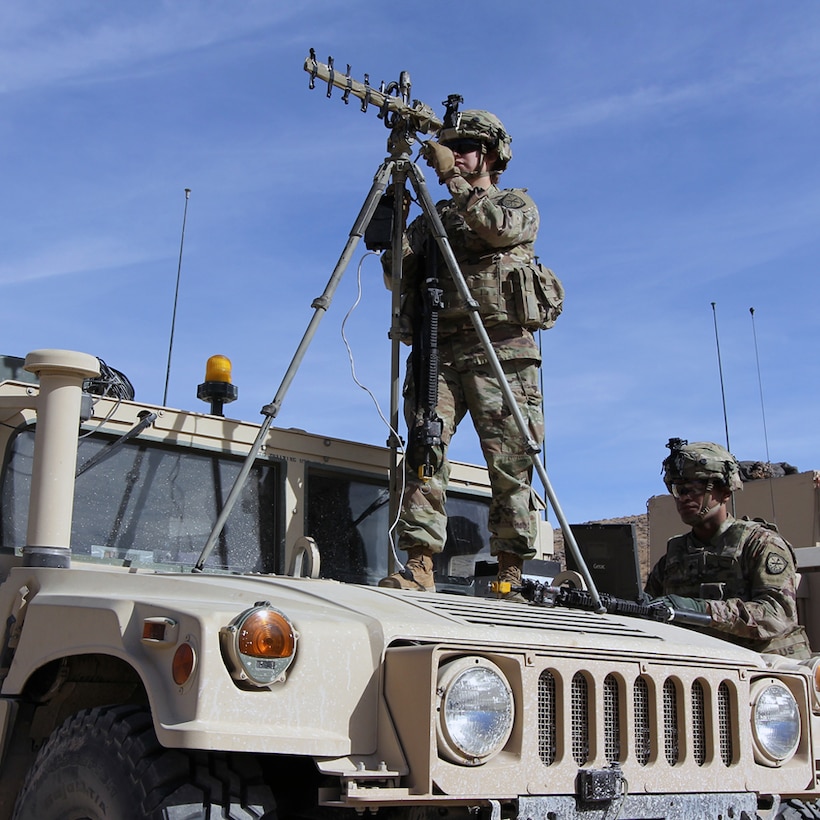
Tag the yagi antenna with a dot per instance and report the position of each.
(176, 297)
(392, 100)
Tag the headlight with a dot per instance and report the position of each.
(259, 645)
(775, 722)
(475, 710)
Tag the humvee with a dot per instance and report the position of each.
(275, 678)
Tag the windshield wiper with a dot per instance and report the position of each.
(146, 417)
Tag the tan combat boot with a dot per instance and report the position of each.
(417, 573)
(508, 582)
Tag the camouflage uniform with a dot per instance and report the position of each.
(492, 234)
(747, 574)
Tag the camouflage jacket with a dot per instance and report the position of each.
(492, 235)
(747, 575)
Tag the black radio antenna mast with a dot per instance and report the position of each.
(722, 392)
(720, 371)
(176, 297)
(763, 414)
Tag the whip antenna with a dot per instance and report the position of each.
(763, 414)
(176, 296)
(720, 371)
(722, 392)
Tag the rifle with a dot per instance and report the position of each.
(542, 594)
(424, 452)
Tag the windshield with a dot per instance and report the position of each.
(348, 516)
(151, 504)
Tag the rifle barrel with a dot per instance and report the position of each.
(573, 598)
(687, 616)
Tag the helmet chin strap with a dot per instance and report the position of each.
(705, 510)
(482, 170)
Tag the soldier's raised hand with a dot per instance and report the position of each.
(440, 158)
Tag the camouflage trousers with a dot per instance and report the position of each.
(466, 384)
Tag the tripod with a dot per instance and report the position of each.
(396, 170)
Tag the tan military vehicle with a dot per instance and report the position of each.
(144, 677)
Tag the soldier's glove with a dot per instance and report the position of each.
(441, 159)
(680, 602)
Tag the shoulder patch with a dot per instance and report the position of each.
(775, 564)
(511, 201)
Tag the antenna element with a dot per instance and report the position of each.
(176, 297)
(763, 414)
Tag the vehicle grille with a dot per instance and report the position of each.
(607, 692)
(625, 712)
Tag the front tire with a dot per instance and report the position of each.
(107, 764)
(799, 810)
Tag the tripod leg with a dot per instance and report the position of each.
(396, 479)
(320, 306)
(440, 235)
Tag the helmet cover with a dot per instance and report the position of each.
(700, 461)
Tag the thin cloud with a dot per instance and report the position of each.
(792, 65)
(74, 256)
(56, 43)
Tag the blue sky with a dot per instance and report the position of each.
(672, 148)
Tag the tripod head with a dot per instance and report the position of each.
(406, 119)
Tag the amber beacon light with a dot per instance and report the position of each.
(217, 388)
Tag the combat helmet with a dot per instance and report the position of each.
(701, 460)
(482, 126)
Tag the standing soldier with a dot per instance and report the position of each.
(492, 234)
(739, 572)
